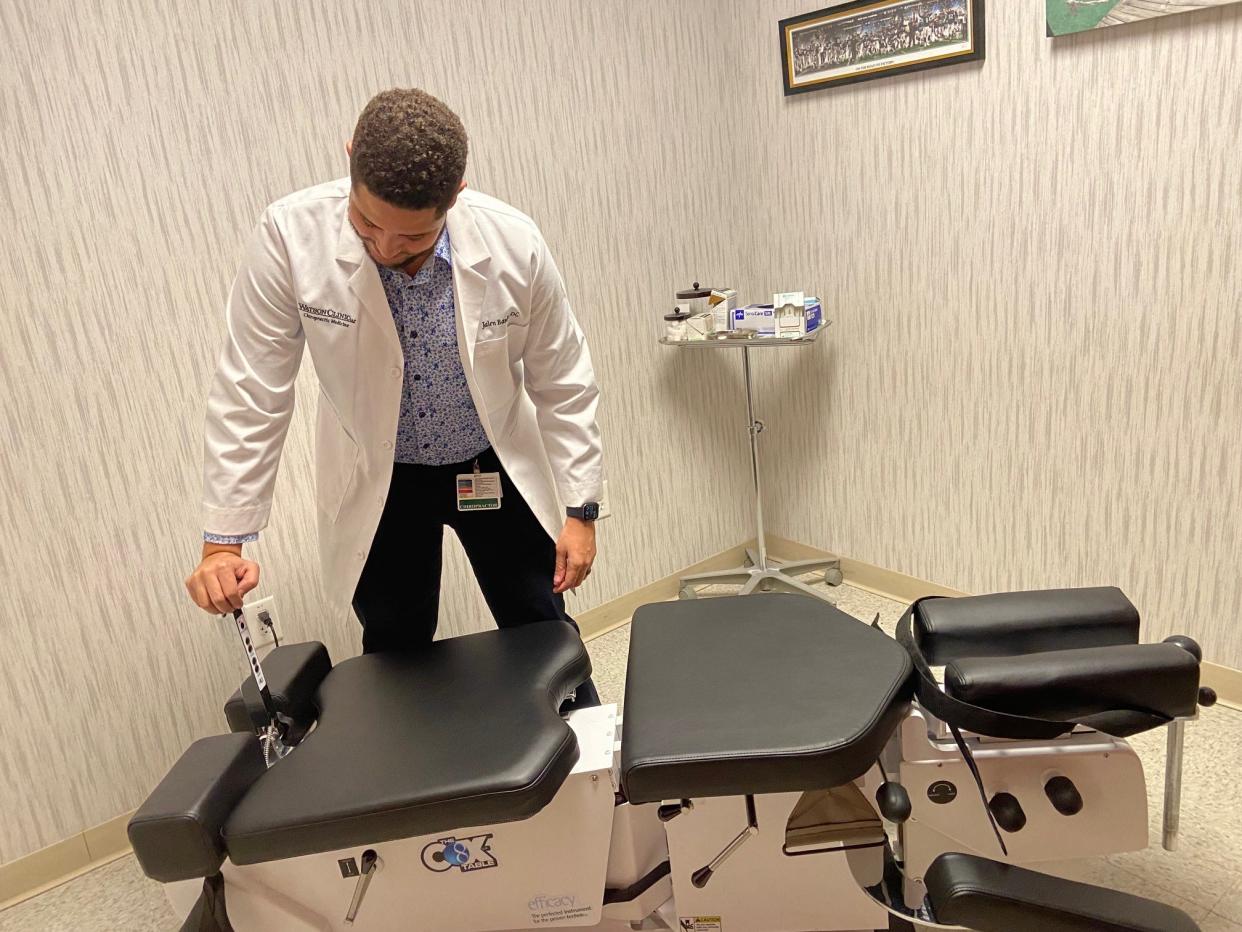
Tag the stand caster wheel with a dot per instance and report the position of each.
(687, 592)
(833, 576)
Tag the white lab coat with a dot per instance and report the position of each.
(306, 280)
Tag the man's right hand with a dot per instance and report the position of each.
(222, 579)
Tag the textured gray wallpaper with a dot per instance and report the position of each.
(1033, 262)
(140, 142)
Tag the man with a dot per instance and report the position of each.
(456, 389)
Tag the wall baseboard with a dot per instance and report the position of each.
(874, 579)
(617, 612)
(1225, 680)
(43, 870)
(61, 862)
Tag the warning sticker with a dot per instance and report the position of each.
(700, 924)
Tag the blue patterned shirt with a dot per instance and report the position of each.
(438, 423)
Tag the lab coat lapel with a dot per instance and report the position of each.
(364, 281)
(470, 280)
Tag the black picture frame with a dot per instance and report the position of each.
(840, 25)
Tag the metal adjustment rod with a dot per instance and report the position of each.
(275, 735)
(370, 864)
(700, 877)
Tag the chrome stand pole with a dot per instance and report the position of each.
(755, 428)
(1173, 784)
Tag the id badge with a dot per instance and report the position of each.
(478, 491)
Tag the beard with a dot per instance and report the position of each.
(414, 262)
(401, 263)
(408, 264)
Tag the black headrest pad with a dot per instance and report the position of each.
(176, 832)
(1009, 623)
(293, 673)
(1162, 679)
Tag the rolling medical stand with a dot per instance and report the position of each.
(761, 572)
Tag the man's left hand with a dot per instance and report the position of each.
(575, 554)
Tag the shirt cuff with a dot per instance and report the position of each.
(230, 538)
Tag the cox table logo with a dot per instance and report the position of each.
(465, 854)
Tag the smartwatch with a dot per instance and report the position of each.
(588, 512)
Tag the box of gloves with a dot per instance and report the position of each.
(787, 318)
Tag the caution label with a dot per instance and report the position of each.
(700, 924)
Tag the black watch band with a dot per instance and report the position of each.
(588, 512)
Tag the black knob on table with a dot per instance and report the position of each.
(669, 812)
(1190, 645)
(1007, 812)
(894, 802)
(1064, 796)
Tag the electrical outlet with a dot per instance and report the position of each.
(260, 634)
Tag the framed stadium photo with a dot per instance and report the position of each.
(867, 39)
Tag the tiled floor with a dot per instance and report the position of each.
(1204, 877)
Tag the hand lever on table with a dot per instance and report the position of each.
(275, 736)
(370, 864)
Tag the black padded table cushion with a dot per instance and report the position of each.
(1161, 679)
(464, 733)
(1007, 624)
(293, 673)
(176, 832)
(764, 693)
(977, 893)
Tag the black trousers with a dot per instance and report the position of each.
(513, 558)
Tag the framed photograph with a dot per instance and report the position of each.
(1067, 16)
(866, 39)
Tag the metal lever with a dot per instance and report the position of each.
(275, 735)
(370, 864)
(243, 631)
(703, 875)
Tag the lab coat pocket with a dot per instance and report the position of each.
(493, 372)
(336, 457)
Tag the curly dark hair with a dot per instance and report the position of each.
(409, 150)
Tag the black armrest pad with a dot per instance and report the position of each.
(989, 896)
(176, 832)
(293, 672)
(1071, 684)
(1010, 623)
